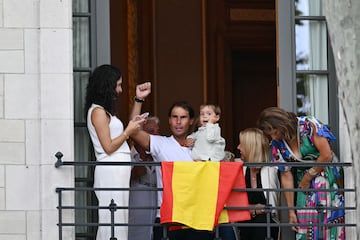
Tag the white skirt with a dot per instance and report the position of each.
(113, 177)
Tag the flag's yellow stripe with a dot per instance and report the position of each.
(224, 217)
(195, 203)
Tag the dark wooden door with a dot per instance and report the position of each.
(241, 62)
(253, 85)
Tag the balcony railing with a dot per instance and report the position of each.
(112, 207)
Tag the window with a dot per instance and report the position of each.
(82, 28)
(312, 82)
(307, 77)
(91, 47)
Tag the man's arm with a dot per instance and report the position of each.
(142, 91)
(141, 137)
(136, 110)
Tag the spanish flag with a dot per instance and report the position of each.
(195, 193)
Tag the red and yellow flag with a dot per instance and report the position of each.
(195, 193)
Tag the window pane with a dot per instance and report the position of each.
(312, 96)
(308, 8)
(311, 45)
(81, 45)
(84, 178)
(80, 6)
(83, 216)
(82, 153)
(80, 82)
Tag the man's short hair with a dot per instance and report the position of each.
(185, 105)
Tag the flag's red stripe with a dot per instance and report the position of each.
(167, 203)
(238, 199)
(225, 182)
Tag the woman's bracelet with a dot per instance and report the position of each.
(313, 172)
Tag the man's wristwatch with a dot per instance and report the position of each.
(139, 100)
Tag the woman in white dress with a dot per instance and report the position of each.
(109, 140)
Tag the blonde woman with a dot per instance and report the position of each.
(254, 147)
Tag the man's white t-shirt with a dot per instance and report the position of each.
(167, 149)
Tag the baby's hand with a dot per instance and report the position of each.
(213, 120)
(189, 142)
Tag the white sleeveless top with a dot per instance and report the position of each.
(116, 128)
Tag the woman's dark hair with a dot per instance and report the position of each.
(185, 105)
(101, 88)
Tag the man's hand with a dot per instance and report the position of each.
(143, 90)
(189, 142)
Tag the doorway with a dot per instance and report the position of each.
(241, 62)
(220, 51)
(253, 87)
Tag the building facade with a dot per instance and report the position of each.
(49, 47)
(36, 116)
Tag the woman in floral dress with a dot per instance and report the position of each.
(306, 139)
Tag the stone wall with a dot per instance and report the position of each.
(36, 116)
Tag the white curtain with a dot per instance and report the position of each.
(318, 84)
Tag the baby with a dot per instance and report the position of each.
(206, 142)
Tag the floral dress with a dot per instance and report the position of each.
(314, 203)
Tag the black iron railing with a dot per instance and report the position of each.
(112, 207)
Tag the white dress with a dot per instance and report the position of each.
(111, 177)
